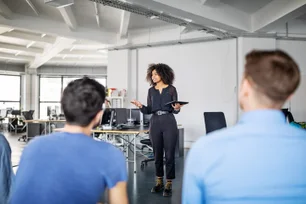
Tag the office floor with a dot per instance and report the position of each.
(139, 184)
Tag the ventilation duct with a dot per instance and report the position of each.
(148, 13)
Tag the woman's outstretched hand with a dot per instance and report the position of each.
(136, 103)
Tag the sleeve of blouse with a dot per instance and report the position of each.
(175, 98)
(147, 109)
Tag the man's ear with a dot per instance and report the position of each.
(290, 97)
(98, 117)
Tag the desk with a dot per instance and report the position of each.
(179, 152)
(133, 132)
(46, 122)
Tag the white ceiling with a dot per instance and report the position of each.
(248, 6)
(37, 34)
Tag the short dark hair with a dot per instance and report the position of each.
(273, 73)
(165, 72)
(82, 100)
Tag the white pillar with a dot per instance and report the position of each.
(119, 73)
(31, 91)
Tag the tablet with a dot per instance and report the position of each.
(180, 102)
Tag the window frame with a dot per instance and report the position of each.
(62, 83)
(20, 88)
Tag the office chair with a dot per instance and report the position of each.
(28, 115)
(288, 115)
(214, 121)
(146, 143)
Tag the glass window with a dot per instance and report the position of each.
(50, 89)
(67, 80)
(43, 107)
(11, 90)
(13, 105)
(101, 81)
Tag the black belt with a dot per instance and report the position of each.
(161, 112)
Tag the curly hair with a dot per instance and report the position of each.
(165, 72)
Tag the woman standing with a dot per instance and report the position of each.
(163, 126)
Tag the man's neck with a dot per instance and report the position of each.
(77, 129)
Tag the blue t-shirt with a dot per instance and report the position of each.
(67, 168)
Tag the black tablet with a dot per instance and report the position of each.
(174, 102)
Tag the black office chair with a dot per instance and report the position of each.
(28, 115)
(145, 142)
(214, 121)
(288, 115)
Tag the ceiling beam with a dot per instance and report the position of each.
(14, 57)
(76, 61)
(51, 27)
(124, 24)
(21, 48)
(210, 3)
(97, 14)
(82, 52)
(29, 2)
(68, 17)
(5, 11)
(277, 12)
(30, 37)
(88, 59)
(4, 29)
(51, 51)
(224, 16)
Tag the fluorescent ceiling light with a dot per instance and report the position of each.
(30, 44)
(153, 17)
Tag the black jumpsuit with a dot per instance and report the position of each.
(163, 128)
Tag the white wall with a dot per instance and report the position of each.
(297, 50)
(205, 76)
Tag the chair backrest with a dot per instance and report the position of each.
(28, 115)
(214, 121)
(288, 115)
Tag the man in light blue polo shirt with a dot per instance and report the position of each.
(261, 159)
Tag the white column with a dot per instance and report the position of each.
(119, 73)
(31, 91)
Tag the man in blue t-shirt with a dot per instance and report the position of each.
(70, 166)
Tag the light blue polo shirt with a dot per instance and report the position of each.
(261, 160)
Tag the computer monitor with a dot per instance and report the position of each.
(57, 110)
(121, 115)
(106, 116)
(135, 115)
(48, 111)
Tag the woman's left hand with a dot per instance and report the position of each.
(177, 106)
